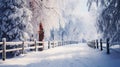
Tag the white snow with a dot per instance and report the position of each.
(76, 55)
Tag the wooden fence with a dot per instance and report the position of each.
(99, 44)
(35, 46)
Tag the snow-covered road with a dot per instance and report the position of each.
(76, 55)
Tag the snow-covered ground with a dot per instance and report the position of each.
(76, 55)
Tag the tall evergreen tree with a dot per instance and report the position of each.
(109, 18)
(15, 20)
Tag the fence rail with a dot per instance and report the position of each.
(34, 45)
(23, 44)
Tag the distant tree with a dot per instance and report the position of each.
(108, 21)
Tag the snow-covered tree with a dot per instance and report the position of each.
(108, 21)
(15, 20)
(45, 12)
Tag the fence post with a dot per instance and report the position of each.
(107, 44)
(65, 43)
(60, 43)
(97, 44)
(94, 44)
(35, 45)
(53, 44)
(101, 47)
(4, 49)
(23, 44)
(48, 44)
